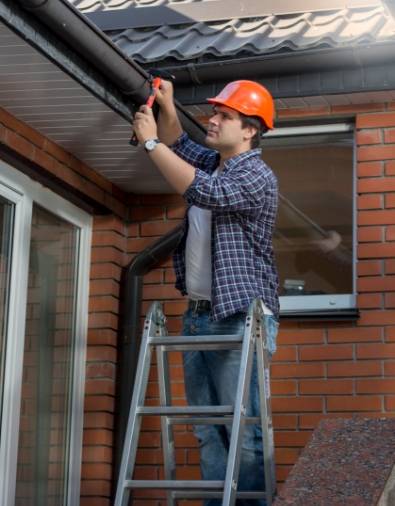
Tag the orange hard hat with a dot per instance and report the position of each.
(249, 98)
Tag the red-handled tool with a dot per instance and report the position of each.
(155, 83)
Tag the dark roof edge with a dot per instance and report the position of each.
(213, 11)
(87, 54)
(282, 63)
(299, 74)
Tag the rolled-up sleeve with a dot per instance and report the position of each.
(244, 189)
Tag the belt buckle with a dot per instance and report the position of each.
(194, 305)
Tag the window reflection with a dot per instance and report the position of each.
(43, 454)
(314, 232)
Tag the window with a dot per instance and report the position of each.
(45, 244)
(314, 236)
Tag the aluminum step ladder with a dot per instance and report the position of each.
(155, 337)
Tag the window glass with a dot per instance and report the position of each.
(6, 218)
(44, 438)
(314, 235)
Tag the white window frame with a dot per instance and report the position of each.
(305, 303)
(23, 192)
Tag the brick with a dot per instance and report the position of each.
(109, 238)
(389, 368)
(376, 217)
(370, 201)
(103, 320)
(147, 213)
(157, 228)
(286, 455)
(109, 222)
(376, 284)
(292, 438)
(160, 292)
(375, 351)
(370, 234)
(369, 169)
(285, 354)
(104, 303)
(283, 387)
(100, 386)
(326, 386)
(389, 300)
(386, 152)
(300, 336)
(101, 370)
(389, 200)
(377, 317)
(389, 168)
(370, 301)
(376, 250)
(331, 352)
(376, 185)
(389, 403)
(375, 386)
(101, 353)
(102, 336)
(96, 487)
(285, 421)
(369, 137)
(297, 370)
(96, 471)
(296, 404)
(389, 266)
(350, 369)
(96, 403)
(349, 403)
(376, 120)
(176, 213)
(389, 333)
(354, 334)
(105, 270)
(390, 233)
(369, 267)
(98, 420)
(97, 437)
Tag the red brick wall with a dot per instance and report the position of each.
(321, 369)
(108, 257)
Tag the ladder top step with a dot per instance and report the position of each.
(193, 340)
(185, 410)
(176, 484)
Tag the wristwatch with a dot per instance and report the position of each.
(151, 144)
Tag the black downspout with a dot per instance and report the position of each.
(129, 341)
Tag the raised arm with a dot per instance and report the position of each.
(169, 126)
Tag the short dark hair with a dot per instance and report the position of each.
(255, 122)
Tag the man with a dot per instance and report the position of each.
(225, 259)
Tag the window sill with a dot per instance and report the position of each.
(321, 315)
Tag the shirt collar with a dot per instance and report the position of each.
(242, 157)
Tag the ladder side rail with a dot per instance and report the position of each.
(165, 400)
(241, 400)
(265, 409)
(134, 420)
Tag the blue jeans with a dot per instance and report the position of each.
(210, 379)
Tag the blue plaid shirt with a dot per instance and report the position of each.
(243, 199)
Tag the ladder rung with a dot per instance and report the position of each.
(198, 342)
(192, 494)
(176, 484)
(185, 410)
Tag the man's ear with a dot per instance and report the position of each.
(249, 132)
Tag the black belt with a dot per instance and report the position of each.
(199, 306)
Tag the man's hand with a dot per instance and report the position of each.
(165, 95)
(144, 124)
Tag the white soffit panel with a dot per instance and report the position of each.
(36, 91)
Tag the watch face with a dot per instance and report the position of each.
(150, 144)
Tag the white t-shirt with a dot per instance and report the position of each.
(198, 254)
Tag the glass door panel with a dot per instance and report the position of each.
(44, 437)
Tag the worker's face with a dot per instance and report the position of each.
(225, 131)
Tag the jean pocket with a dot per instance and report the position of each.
(271, 329)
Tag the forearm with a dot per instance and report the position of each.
(176, 171)
(169, 126)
